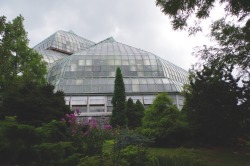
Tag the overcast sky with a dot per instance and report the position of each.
(138, 23)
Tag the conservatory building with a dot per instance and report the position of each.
(85, 72)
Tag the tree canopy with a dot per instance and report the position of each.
(18, 62)
(181, 10)
(212, 106)
(217, 99)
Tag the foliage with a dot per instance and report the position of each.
(90, 161)
(87, 136)
(217, 101)
(94, 141)
(130, 110)
(55, 153)
(119, 117)
(18, 62)
(232, 49)
(33, 104)
(54, 132)
(104, 159)
(212, 106)
(134, 113)
(16, 142)
(26, 145)
(139, 112)
(175, 161)
(129, 145)
(127, 137)
(180, 11)
(162, 121)
(210, 156)
(135, 155)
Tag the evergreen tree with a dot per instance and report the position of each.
(212, 106)
(139, 109)
(119, 117)
(134, 113)
(130, 112)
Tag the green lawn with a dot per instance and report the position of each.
(212, 156)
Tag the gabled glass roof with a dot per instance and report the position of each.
(92, 70)
(61, 44)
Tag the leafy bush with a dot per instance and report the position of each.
(16, 142)
(54, 132)
(54, 153)
(129, 147)
(134, 155)
(104, 159)
(162, 120)
(33, 104)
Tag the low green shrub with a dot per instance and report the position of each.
(134, 155)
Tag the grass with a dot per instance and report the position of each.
(107, 146)
(212, 156)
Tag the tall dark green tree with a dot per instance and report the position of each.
(119, 117)
(212, 106)
(18, 62)
(130, 110)
(139, 109)
(134, 113)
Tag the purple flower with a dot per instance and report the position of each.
(107, 127)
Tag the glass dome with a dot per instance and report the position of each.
(87, 74)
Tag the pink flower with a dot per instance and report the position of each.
(107, 127)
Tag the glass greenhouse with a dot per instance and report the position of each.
(85, 71)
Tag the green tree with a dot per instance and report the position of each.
(18, 62)
(181, 10)
(119, 117)
(130, 110)
(33, 104)
(229, 58)
(162, 121)
(139, 109)
(134, 113)
(212, 106)
(232, 38)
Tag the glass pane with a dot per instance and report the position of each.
(67, 100)
(135, 88)
(135, 81)
(96, 100)
(88, 62)
(78, 100)
(82, 109)
(96, 109)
